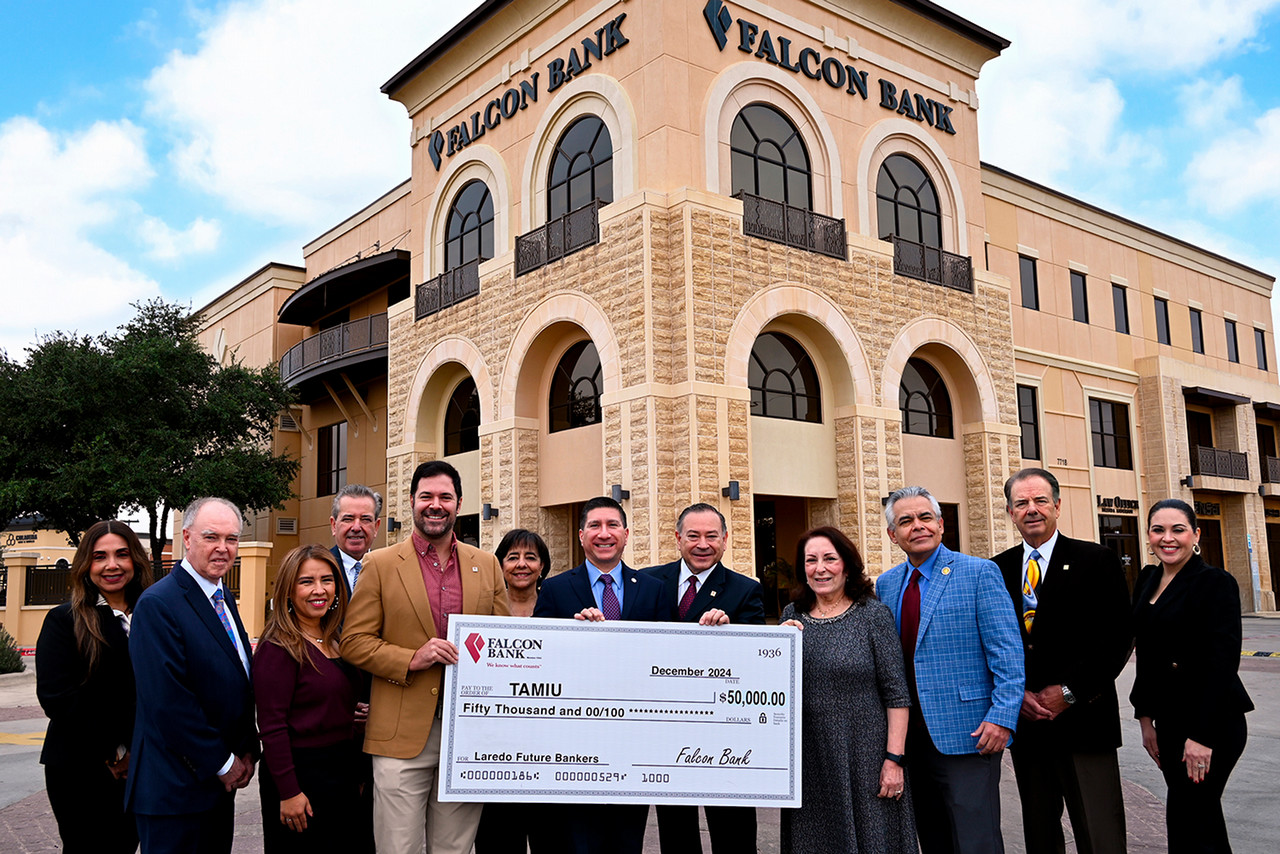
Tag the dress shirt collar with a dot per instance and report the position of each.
(206, 586)
(125, 618)
(348, 562)
(686, 573)
(926, 568)
(1046, 552)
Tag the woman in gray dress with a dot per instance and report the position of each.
(854, 720)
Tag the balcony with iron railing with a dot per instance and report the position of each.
(931, 264)
(1270, 469)
(797, 227)
(560, 237)
(1215, 462)
(449, 288)
(353, 342)
(48, 584)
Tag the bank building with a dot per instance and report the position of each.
(748, 253)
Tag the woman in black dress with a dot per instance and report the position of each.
(1187, 693)
(308, 712)
(84, 682)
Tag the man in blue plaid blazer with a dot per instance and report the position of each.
(965, 670)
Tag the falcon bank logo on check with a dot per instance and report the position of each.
(502, 647)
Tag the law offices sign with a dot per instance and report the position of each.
(748, 37)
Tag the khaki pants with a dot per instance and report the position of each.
(406, 812)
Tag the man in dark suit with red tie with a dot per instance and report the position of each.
(1073, 604)
(194, 740)
(707, 592)
(601, 588)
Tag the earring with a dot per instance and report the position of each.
(1151, 551)
(1196, 548)
(288, 605)
(334, 606)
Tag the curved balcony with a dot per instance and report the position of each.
(357, 348)
(344, 285)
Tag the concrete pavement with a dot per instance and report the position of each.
(27, 826)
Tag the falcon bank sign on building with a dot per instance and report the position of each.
(748, 253)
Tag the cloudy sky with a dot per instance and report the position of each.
(171, 148)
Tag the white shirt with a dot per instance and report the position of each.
(1046, 552)
(349, 569)
(685, 574)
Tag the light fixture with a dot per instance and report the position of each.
(1189, 481)
(731, 492)
(488, 511)
(619, 494)
(393, 525)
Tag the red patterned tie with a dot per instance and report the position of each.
(609, 599)
(686, 602)
(911, 621)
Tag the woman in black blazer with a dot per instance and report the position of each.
(1187, 693)
(84, 682)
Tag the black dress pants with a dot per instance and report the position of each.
(88, 804)
(732, 829)
(1193, 812)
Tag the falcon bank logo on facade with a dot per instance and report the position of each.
(777, 51)
(502, 647)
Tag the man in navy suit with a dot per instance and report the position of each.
(194, 740)
(963, 662)
(355, 520)
(1074, 604)
(601, 588)
(706, 592)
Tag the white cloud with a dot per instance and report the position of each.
(55, 188)
(278, 111)
(1210, 104)
(165, 243)
(1240, 166)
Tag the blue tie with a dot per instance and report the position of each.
(222, 615)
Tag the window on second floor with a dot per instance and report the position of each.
(581, 168)
(575, 389)
(1199, 429)
(1029, 422)
(1260, 345)
(1162, 320)
(1197, 331)
(924, 401)
(768, 157)
(1120, 303)
(1233, 348)
(783, 380)
(462, 419)
(1079, 297)
(1109, 426)
(469, 227)
(331, 458)
(906, 202)
(1030, 287)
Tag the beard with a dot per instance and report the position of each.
(433, 527)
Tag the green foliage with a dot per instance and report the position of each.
(10, 659)
(144, 418)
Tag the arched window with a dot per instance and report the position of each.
(907, 203)
(575, 388)
(462, 419)
(581, 168)
(768, 157)
(469, 232)
(783, 380)
(923, 399)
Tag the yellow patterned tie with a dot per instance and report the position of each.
(1029, 584)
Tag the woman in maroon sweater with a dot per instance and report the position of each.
(308, 712)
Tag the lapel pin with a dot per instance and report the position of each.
(633, 580)
(475, 569)
(713, 593)
(946, 570)
(1065, 567)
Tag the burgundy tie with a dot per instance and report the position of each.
(911, 620)
(609, 599)
(686, 601)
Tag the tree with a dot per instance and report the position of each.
(158, 423)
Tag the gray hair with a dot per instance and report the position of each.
(193, 509)
(908, 492)
(356, 490)
(700, 507)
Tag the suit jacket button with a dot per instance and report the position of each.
(435, 690)
(1175, 665)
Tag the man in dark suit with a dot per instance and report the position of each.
(601, 588)
(355, 520)
(1073, 604)
(194, 740)
(707, 592)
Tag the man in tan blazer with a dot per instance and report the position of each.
(396, 629)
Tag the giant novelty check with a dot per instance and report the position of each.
(620, 712)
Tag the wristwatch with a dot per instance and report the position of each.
(1067, 695)
(899, 758)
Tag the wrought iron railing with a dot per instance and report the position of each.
(931, 264)
(449, 288)
(230, 581)
(1219, 463)
(562, 236)
(48, 584)
(1270, 469)
(798, 227)
(365, 333)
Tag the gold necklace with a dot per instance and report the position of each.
(824, 614)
